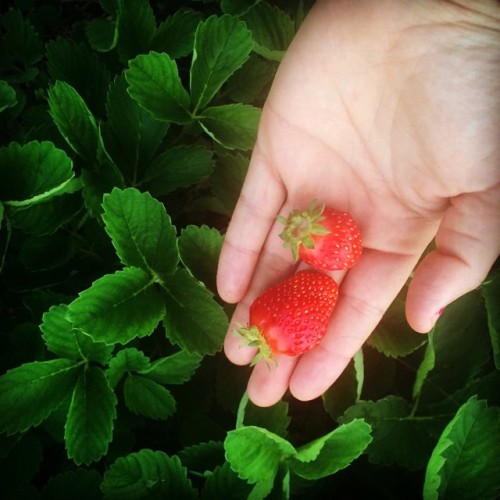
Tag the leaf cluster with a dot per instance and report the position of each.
(127, 127)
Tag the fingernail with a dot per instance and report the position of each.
(437, 316)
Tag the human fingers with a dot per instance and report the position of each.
(235, 348)
(269, 381)
(260, 200)
(467, 244)
(366, 293)
(274, 264)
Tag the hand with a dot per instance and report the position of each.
(389, 110)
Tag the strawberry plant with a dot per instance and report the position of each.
(127, 127)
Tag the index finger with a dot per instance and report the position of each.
(260, 200)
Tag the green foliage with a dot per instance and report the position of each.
(231, 125)
(74, 120)
(155, 84)
(465, 462)
(7, 96)
(147, 474)
(146, 397)
(118, 307)
(491, 292)
(256, 453)
(332, 452)
(141, 231)
(89, 425)
(272, 30)
(32, 173)
(177, 167)
(212, 62)
(127, 129)
(31, 392)
(67, 342)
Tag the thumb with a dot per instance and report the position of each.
(467, 245)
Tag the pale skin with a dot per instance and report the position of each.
(389, 110)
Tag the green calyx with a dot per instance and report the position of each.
(252, 337)
(300, 226)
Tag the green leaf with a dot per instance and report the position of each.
(31, 392)
(74, 120)
(263, 489)
(237, 7)
(178, 167)
(234, 126)
(98, 183)
(426, 366)
(222, 45)
(491, 293)
(118, 307)
(274, 418)
(255, 453)
(345, 392)
(81, 482)
(227, 178)
(199, 248)
(63, 340)
(147, 474)
(136, 26)
(459, 346)
(132, 136)
(89, 427)
(102, 34)
(33, 173)
(251, 83)
(145, 397)
(46, 217)
(193, 320)
(141, 231)
(272, 30)
(224, 483)
(333, 452)
(21, 41)
(81, 68)
(392, 423)
(7, 96)
(155, 85)
(174, 369)
(126, 360)
(41, 254)
(464, 463)
(175, 35)
(203, 457)
(45, 253)
(393, 336)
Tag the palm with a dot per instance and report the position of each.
(371, 126)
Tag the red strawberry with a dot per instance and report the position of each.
(291, 317)
(324, 238)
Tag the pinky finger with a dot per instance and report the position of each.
(467, 244)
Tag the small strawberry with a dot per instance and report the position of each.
(324, 238)
(291, 317)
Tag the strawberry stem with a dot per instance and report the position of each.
(300, 226)
(252, 337)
